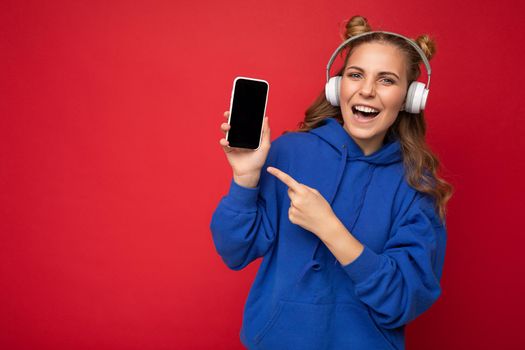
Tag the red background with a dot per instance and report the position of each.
(111, 165)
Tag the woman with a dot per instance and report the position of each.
(347, 211)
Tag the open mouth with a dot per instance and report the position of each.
(361, 113)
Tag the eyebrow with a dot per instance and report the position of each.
(380, 73)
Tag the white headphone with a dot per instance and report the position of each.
(417, 94)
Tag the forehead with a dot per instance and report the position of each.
(378, 56)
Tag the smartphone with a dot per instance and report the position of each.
(247, 110)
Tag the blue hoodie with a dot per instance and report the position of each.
(302, 297)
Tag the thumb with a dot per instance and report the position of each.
(266, 130)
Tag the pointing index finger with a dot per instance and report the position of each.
(284, 177)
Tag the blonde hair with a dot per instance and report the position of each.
(420, 163)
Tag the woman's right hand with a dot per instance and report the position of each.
(246, 163)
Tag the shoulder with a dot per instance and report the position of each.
(291, 142)
(291, 138)
(413, 202)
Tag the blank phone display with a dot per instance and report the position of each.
(248, 108)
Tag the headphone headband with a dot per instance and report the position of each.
(418, 49)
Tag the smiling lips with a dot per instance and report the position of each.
(364, 108)
(364, 113)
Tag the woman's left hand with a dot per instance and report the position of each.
(308, 208)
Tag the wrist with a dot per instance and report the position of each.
(247, 180)
(332, 228)
(343, 245)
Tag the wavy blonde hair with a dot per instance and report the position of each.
(420, 163)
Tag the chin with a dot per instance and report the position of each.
(357, 132)
(362, 136)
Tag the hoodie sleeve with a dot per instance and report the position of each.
(243, 225)
(404, 280)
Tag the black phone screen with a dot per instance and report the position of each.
(247, 113)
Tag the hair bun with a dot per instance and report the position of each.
(355, 26)
(427, 45)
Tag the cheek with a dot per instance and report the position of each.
(391, 118)
(346, 88)
(395, 99)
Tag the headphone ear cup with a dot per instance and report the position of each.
(331, 90)
(416, 97)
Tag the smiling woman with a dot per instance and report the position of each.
(347, 211)
(368, 90)
(369, 59)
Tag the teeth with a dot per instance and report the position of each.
(366, 109)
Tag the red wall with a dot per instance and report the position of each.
(111, 165)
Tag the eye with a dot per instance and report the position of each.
(356, 75)
(352, 75)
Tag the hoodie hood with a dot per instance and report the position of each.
(333, 133)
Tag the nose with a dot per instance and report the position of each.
(367, 88)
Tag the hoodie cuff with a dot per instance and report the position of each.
(241, 198)
(363, 266)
